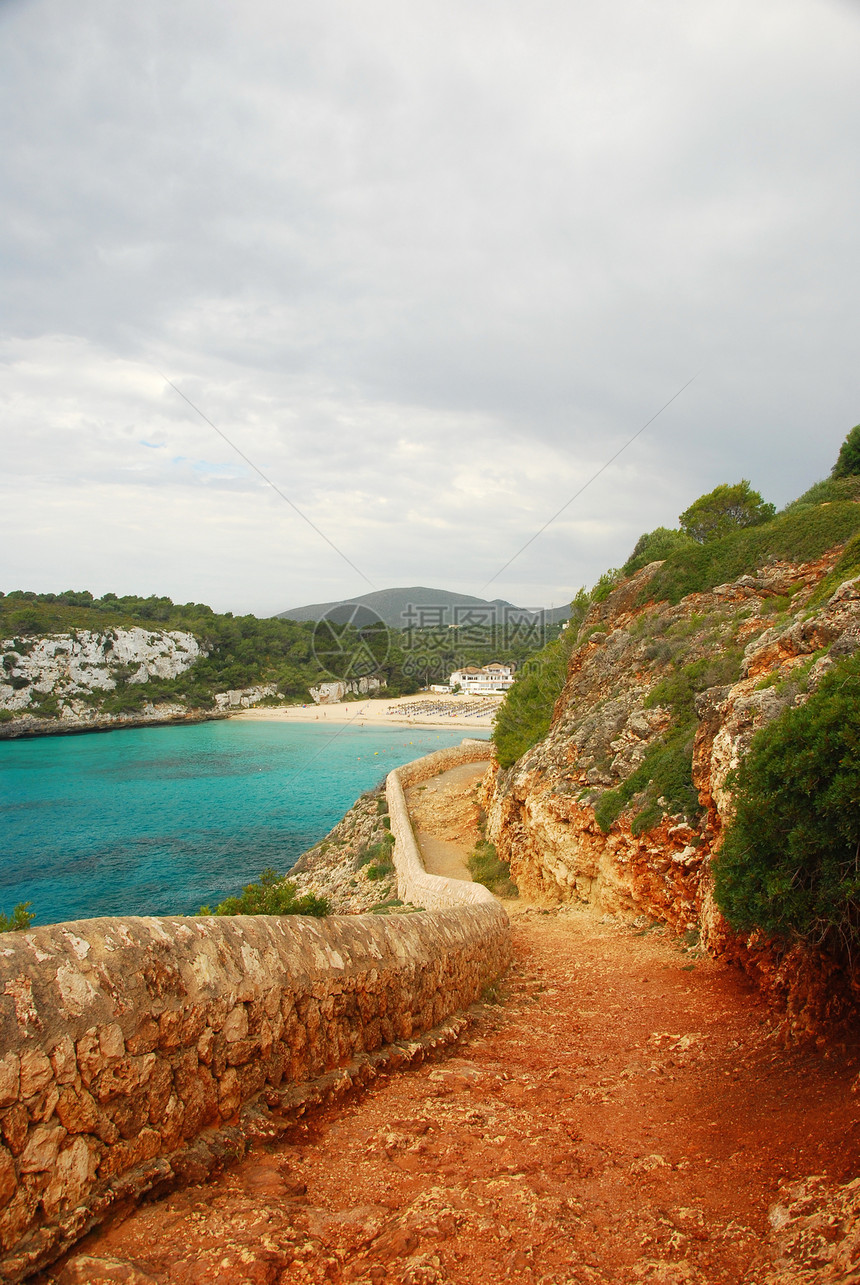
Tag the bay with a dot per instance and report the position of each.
(161, 820)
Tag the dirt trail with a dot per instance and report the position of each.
(445, 817)
(622, 1115)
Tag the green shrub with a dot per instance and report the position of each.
(723, 510)
(607, 582)
(790, 861)
(848, 462)
(381, 870)
(827, 491)
(485, 867)
(525, 715)
(271, 896)
(20, 918)
(678, 689)
(654, 546)
(378, 853)
(6, 715)
(798, 535)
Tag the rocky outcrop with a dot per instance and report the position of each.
(75, 667)
(352, 866)
(754, 648)
(244, 697)
(336, 691)
(60, 684)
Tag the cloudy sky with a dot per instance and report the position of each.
(428, 267)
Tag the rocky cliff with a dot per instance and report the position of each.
(606, 808)
(65, 682)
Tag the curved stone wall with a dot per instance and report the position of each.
(138, 1053)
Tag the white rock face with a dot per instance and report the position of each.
(332, 693)
(244, 697)
(75, 665)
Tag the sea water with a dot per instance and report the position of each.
(161, 820)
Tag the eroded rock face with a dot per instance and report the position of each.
(541, 811)
(344, 867)
(75, 666)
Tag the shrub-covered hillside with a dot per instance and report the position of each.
(734, 639)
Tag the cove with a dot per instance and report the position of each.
(160, 820)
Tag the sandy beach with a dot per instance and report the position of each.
(424, 710)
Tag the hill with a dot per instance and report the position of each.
(684, 752)
(419, 607)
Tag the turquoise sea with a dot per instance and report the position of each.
(160, 820)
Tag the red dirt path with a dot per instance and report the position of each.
(622, 1116)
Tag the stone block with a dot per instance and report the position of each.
(9, 1080)
(41, 1148)
(145, 1038)
(170, 1030)
(242, 1051)
(170, 1125)
(63, 1061)
(42, 1107)
(77, 1110)
(111, 1040)
(8, 1178)
(14, 1124)
(236, 1024)
(18, 1216)
(185, 1072)
(159, 1089)
(127, 1153)
(86, 1270)
(130, 1113)
(119, 1079)
(70, 1177)
(205, 1045)
(229, 1093)
(89, 1056)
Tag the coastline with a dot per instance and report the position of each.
(376, 712)
(30, 728)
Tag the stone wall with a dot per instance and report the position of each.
(414, 884)
(138, 1052)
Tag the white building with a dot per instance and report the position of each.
(494, 677)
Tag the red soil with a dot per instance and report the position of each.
(623, 1115)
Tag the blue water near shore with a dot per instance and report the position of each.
(157, 821)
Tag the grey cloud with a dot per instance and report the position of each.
(344, 226)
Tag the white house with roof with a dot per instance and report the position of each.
(494, 677)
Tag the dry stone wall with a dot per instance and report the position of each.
(137, 1053)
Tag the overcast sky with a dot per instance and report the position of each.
(428, 267)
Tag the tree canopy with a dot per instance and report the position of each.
(848, 461)
(725, 509)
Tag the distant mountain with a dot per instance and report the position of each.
(418, 607)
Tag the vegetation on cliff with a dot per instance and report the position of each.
(272, 895)
(526, 714)
(790, 862)
(730, 632)
(800, 534)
